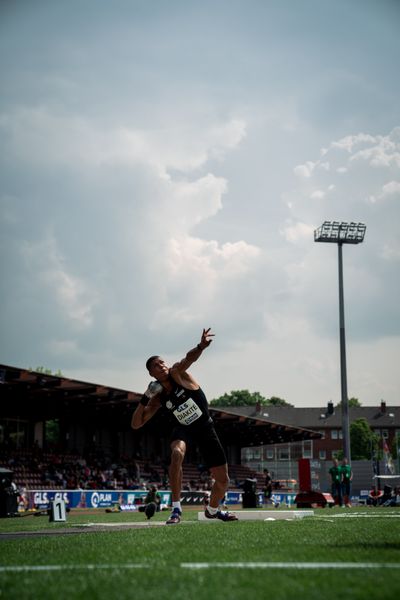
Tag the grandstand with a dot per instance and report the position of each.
(36, 470)
(95, 446)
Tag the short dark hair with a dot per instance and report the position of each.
(150, 360)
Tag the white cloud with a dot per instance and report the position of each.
(305, 170)
(349, 142)
(44, 137)
(72, 294)
(391, 250)
(378, 151)
(299, 232)
(162, 221)
(391, 189)
(318, 195)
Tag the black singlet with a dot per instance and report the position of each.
(188, 407)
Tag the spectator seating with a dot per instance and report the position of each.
(37, 470)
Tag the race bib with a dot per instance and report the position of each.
(188, 412)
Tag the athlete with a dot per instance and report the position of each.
(176, 391)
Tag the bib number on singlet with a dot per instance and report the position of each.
(188, 412)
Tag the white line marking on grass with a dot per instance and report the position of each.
(93, 567)
(360, 516)
(216, 565)
(289, 565)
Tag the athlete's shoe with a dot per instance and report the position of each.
(222, 515)
(175, 517)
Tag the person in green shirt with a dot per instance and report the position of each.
(153, 496)
(347, 476)
(336, 475)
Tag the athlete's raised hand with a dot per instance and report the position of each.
(206, 338)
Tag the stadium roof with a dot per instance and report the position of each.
(320, 417)
(255, 431)
(27, 394)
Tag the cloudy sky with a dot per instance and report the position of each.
(163, 166)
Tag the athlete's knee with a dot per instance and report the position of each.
(222, 478)
(177, 455)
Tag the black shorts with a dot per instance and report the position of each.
(207, 441)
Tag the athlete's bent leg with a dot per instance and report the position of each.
(218, 491)
(220, 486)
(178, 450)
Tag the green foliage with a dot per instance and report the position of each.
(52, 431)
(246, 398)
(276, 401)
(362, 439)
(352, 403)
(240, 398)
(395, 446)
(46, 371)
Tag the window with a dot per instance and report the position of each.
(334, 434)
(340, 434)
(270, 454)
(283, 454)
(385, 434)
(322, 454)
(322, 432)
(306, 450)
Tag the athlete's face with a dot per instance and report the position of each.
(159, 369)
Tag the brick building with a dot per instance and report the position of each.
(383, 420)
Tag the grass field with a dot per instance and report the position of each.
(205, 560)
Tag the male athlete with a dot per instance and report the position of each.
(176, 391)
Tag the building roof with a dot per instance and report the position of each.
(320, 418)
(251, 430)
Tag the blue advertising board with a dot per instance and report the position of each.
(107, 498)
(89, 498)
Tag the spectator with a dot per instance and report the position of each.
(267, 486)
(336, 478)
(347, 477)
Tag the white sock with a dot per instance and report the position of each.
(176, 505)
(212, 510)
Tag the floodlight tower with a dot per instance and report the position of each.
(342, 233)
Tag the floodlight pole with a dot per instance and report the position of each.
(343, 367)
(342, 233)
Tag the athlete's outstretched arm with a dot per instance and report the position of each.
(195, 353)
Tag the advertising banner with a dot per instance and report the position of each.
(41, 499)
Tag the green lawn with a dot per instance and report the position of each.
(150, 562)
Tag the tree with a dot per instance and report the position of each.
(52, 431)
(276, 401)
(362, 440)
(45, 371)
(395, 446)
(352, 402)
(240, 398)
(246, 398)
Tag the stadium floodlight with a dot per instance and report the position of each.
(342, 233)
